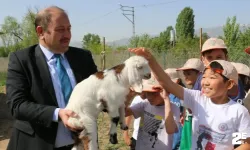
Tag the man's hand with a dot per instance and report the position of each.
(64, 115)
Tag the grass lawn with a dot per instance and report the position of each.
(103, 135)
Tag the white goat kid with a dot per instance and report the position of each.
(106, 90)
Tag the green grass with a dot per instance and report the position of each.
(103, 135)
(3, 76)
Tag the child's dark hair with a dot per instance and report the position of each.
(245, 81)
(215, 65)
(181, 83)
(210, 51)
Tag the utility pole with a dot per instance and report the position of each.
(201, 38)
(103, 55)
(129, 11)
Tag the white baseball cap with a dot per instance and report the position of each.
(242, 68)
(148, 85)
(173, 74)
(213, 43)
(193, 63)
(229, 71)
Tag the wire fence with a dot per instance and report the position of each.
(167, 59)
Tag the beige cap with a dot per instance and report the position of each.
(213, 43)
(229, 71)
(193, 63)
(150, 83)
(242, 68)
(173, 74)
(247, 50)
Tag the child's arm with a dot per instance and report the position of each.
(128, 112)
(170, 124)
(244, 146)
(159, 73)
(125, 133)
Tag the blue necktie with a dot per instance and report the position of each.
(64, 78)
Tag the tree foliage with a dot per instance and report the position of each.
(185, 24)
(231, 31)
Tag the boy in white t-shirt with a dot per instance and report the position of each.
(158, 118)
(215, 116)
(132, 141)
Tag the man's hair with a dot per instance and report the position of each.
(43, 18)
(210, 51)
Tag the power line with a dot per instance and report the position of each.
(106, 14)
(155, 4)
(147, 5)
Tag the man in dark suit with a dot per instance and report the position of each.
(39, 82)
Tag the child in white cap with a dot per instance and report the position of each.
(244, 74)
(192, 71)
(215, 49)
(217, 116)
(158, 116)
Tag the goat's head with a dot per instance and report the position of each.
(138, 69)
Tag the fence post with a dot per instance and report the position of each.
(103, 61)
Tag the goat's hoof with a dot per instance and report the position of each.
(124, 127)
(113, 138)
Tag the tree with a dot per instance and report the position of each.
(185, 24)
(145, 40)
(90, 40)
(231, 32)
(29, 34)
(164, 39)
(11, 33)
(134, 41)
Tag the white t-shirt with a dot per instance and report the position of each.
(213, 124)
(136, 100)
(152, 133)
(247, 101)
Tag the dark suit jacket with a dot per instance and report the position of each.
(31, 96)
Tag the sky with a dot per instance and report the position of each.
(104, 17)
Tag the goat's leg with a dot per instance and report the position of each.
(88, 139)
(92, 140)
(114, 116)
(122, 117)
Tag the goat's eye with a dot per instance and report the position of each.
(139, 67)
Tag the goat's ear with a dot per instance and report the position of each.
(137, 87)
(134, 77)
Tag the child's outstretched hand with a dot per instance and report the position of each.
(141, 51)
